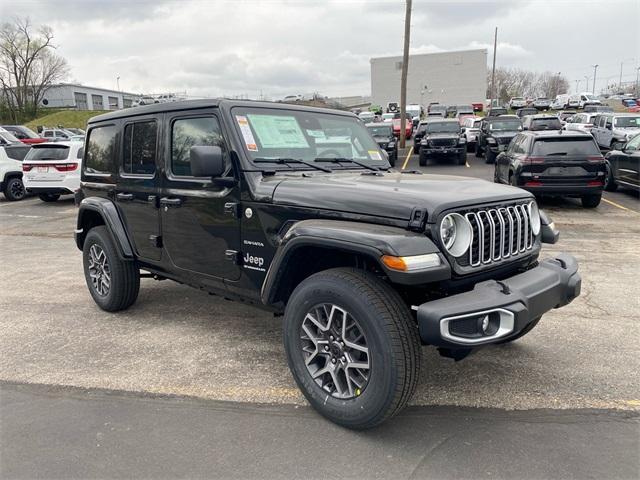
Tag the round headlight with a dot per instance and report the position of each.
(534, 217)
(455, 233)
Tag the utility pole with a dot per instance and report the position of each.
(118, 82)
(586, 89)
(403, 78)
(595, 69)
(637, 78)
(577, 86)
(493, 70)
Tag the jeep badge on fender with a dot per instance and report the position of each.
(366, 264)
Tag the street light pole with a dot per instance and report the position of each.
(595, 69)
(403, 79)
(586, 89)
(637, 74)
(577, 86)
(493, 70)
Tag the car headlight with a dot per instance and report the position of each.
(534, 217)
(491, 140)
(455, 233)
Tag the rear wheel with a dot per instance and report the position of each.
(49, 197)
(591, 201)
(352, 347)
(14, 189)
(113, 283)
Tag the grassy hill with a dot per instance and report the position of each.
(66, 118)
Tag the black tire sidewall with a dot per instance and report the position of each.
(49, 197)
(7, 190)
(378, 393)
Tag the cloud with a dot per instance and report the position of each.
(505, 50)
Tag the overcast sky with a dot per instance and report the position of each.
(219, 47)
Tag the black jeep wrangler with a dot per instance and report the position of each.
(294, 209)
(495, 135)
(441, 138)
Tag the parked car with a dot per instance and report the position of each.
(597, 108)
(352, 261)
(76, 131)
(367, 117)
(56, 134)
(581, 100)
(581, 122)
(623, 165)
(383, 135)
(495, 135)
(541, 122)
(7, 138)
(470, 130)
(542, 103)
(395, 123)
(560, 102)
(145, 100)
(387, 117)
(629, 102)
(609, 128)
(11, 157)
(517, 102)
(52, 169)
(24, 134)
(437, 110)
(523, 112)
(477, 106)
(554, 163)
(442, 139)
(565, 114)
(496, 111)
(463, 110)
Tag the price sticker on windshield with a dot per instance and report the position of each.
(374, 155)
(247, 134)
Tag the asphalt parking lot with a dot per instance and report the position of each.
(181, 342)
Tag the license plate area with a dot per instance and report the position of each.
(43, 169)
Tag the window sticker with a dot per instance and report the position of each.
(375, 155)
(247, 134)
(276, 131)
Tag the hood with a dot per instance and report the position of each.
(392, 195)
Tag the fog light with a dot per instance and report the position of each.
(485, 324)
(488, 324)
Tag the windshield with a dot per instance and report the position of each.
(504, 126)
(590, 97)
(270, 133)
(565, 146)
(381, 131)
(444, 127)
(628, 122)
(58, 152)
(464, 108)
(438, 108)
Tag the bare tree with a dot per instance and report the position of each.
(515, 82)
(28, 65)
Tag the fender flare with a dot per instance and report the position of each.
(109, 213)
(366, 239)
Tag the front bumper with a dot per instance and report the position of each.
(509, 305)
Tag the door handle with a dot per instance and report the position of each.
(125, 197)
(172, 202)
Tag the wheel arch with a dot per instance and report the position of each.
(101, 211)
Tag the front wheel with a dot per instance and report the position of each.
(423, 160)
(490, 156)
(610, 184)
(462, 157)
(352, 347)
(49, 197)
(478, 150)
(591, 201)
(14, 190)
(113, 283)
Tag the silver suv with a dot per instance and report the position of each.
(611, 128)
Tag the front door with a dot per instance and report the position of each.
(137, 186)
(200, 230)
(629, 162)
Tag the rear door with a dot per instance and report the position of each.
(137, 186)
(200, 224)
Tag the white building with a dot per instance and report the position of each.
(81, 97)
(449, 78)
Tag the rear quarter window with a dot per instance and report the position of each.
(100, 148)
(565, 146)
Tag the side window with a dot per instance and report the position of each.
(100, 149)
(48, 134)
(191, 132)
(608, 124)
(80, 153)
(139, 148)
(634, 144)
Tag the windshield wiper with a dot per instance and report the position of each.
(287, 161)
(342, 160)
(556, 154)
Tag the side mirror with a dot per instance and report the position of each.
(206, 161)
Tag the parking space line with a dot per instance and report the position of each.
(406, 160)
(619, 206)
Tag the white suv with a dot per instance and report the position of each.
(517, 102)
(53, 169)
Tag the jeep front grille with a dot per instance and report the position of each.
(444, 142)
(499, 233)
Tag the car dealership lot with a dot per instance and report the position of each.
(176, 340)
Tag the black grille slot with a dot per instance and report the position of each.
(465, 327)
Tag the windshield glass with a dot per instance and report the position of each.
(590, 97)
(565, 146)
(628, 122)
(380, 131)
(58, 152)
(270, 133)
(504, 126)
(444, 127)
(438, 108)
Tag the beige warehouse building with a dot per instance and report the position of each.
(449, 78)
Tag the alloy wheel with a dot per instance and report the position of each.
(17, 190)
(335, 351)
(99, 270)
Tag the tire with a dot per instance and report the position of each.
(14, 190)
(379, 318)
(591, 201)
(462, 157)
(522, 332)
(478, 151)
(49, 197)
(610, 184)
(423, 160)
(490, 157)
(124, 276)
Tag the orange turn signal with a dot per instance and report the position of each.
(394, 263)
